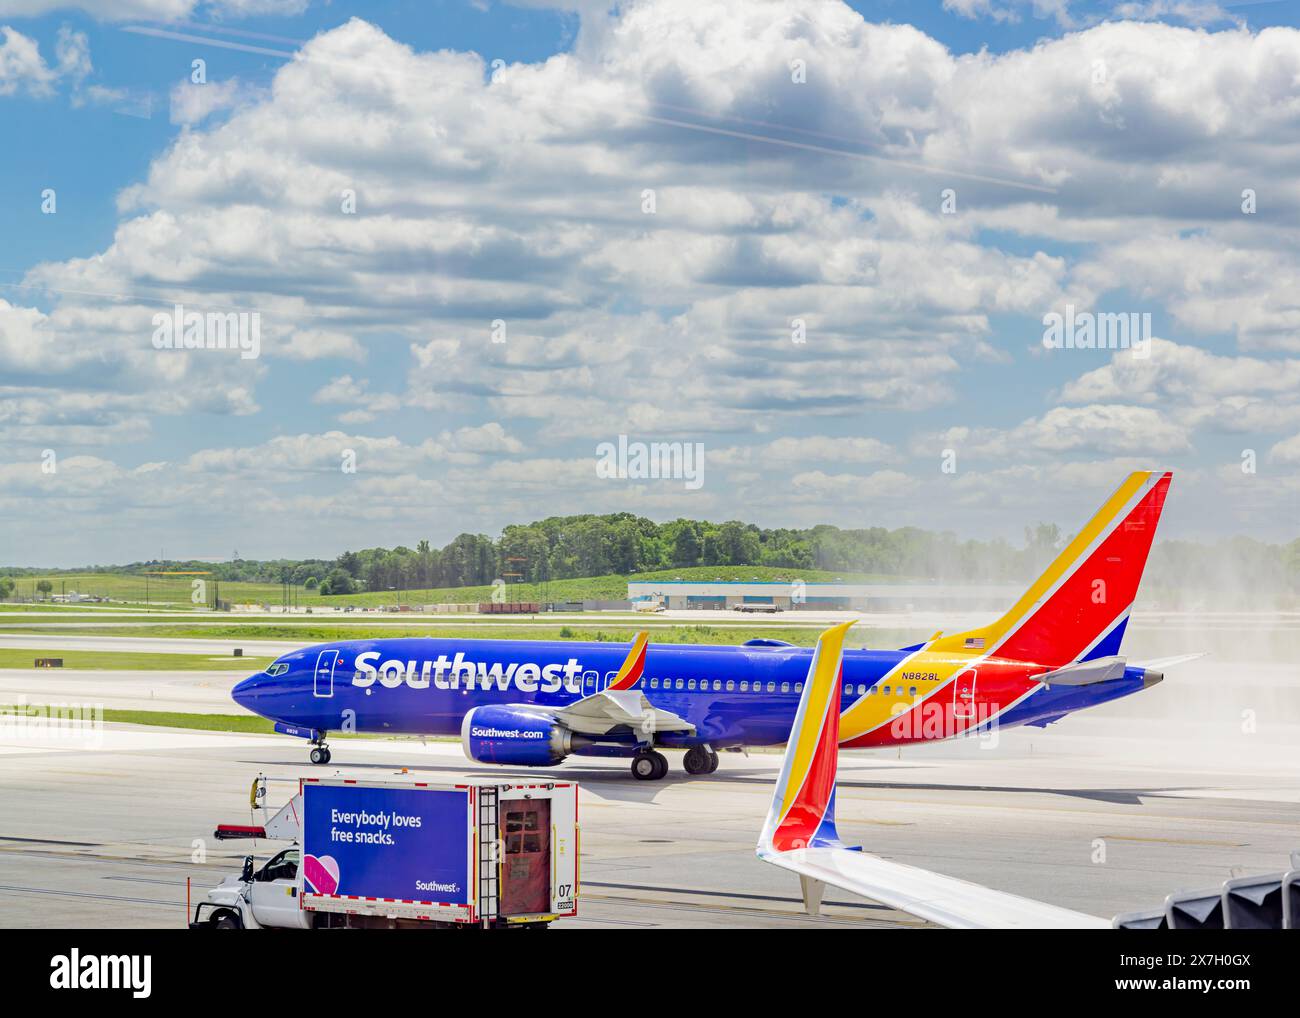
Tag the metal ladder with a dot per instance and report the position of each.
(488, 849)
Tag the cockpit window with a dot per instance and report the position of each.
(279, 668)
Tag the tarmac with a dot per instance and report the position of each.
(1181, 786)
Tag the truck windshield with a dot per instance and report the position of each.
(282, 867)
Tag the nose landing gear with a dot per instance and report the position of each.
(320, 753)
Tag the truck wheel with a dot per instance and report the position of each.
(226, 921)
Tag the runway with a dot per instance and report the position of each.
(189, 692)
(103, 831)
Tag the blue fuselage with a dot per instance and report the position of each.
(733, 696)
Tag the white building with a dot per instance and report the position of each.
(796, 595)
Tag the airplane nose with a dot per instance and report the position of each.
(245, 693)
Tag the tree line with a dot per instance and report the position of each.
(566, 547)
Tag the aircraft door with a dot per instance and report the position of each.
(325, 673)
(963, 695)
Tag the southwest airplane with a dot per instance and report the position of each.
(533, 703)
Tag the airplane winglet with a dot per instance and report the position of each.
(802, 814)
(799, 834)
(633, 665)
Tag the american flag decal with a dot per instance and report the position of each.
(974, 643)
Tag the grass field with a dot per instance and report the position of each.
(119, 661)
(204, 722)
(616, 632)
(175, 591)
(242, 723)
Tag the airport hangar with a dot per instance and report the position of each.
(797, 595)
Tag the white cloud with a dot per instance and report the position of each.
(1095, 428)
(190, 103)
(776, 290)
(155, 10)
(23, 69)
(319, 344)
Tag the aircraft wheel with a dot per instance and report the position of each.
(713, 762)
(697, 759)
(330, 756)
(318, 756)
(649, 766)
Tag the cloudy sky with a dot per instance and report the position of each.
(821, 239)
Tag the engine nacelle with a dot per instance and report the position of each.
(515, 736)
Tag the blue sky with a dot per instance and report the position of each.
(1097, 156)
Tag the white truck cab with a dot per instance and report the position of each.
(257, 899)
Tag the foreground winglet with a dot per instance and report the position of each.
(803, 803)
(633, 665)
(799, 834)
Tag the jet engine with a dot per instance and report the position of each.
(517, 736)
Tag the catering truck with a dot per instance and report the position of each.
(388, 854)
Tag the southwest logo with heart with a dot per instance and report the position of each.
(321, 874)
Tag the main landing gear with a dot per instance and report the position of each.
(700, 760)
(320, 753)
(649, 766)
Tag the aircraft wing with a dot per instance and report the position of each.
(799, 834)
(618, 704)
(956, 904)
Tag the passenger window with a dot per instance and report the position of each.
(731, 684)
(848, 690)
(654, 683)
(744, 686)
(771, 687)
(717, 685)
(690, 684)
(886, 691)
(785, 687)
(862, 689)
(911, 691)
(798, 687)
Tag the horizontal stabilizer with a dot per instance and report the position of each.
(1085, 673)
